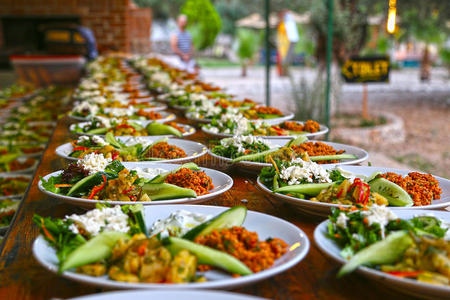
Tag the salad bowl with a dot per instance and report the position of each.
(264, 225)
(403, 285)
(14, 196)
(255, 167)
(322, 209)
(323, 130)
(221, 181)
(76, 128)
(166, 116)
(192, 149)
(29, 169)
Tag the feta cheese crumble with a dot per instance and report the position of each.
(148, 173)
(138, 140)
(94, 163)
(100, 220)
(86, 106)
(178, 223)
(239, 140)
(379, 214)
(304, 171)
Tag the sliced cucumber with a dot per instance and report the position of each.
(162, 129)
(372, 176)
(161, 177)
(231, 217)
(386, 251)
(254, 157)
(391, 191)
(209, 256)
(332, 157)
(110, 139)
(296, 141)
(97, 131)
(310, 189)
(87, 182)
(94, 250)
(165, 191)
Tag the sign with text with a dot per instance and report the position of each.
(366, 69)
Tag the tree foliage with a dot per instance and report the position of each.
(204, 20)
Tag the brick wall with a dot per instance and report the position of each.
(117, 24)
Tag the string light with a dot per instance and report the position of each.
(392, 14)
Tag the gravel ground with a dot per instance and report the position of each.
(426, 117)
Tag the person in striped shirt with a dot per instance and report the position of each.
(181, 43)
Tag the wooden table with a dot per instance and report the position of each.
(314, 277)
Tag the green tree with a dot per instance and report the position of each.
(423, 22)
(203, 20)
(246, 46)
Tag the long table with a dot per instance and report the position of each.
(21, 276)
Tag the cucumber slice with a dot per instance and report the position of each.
(110, 139)
(254, 157)
(386, 251)
(88, 182)
(332, 157)
(164, 191)
(310, 189)
(209, 256)
(92, 251)
(97, 131)
(296, 141)
(373, 176)
(162, 129)
(161, 177)
(231, 217)
(391, 191)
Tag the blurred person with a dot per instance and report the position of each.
(287, 37)
(181, 43)
(91, 43)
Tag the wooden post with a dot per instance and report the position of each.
(365, 109)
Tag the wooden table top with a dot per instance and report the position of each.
(21, 276)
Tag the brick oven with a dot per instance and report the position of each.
(118, 25)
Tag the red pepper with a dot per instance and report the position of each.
(97, 188)
(126, 126)
(142, 249)
(80, 149)
(405, 273)
(340, 193)
(127, 190)
(115, 155)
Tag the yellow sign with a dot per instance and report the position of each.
(366, 69)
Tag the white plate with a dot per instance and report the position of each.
(193, 150)
(403, 285)
(221, 181)
(197, 120)
(5, 175)
(266, 226)
(323, 209)
(23, 171)
(250, 166)
(189, 129)
(273, 121)
(166, 116)
(158, 107)
(167, 295)
(322, 131)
